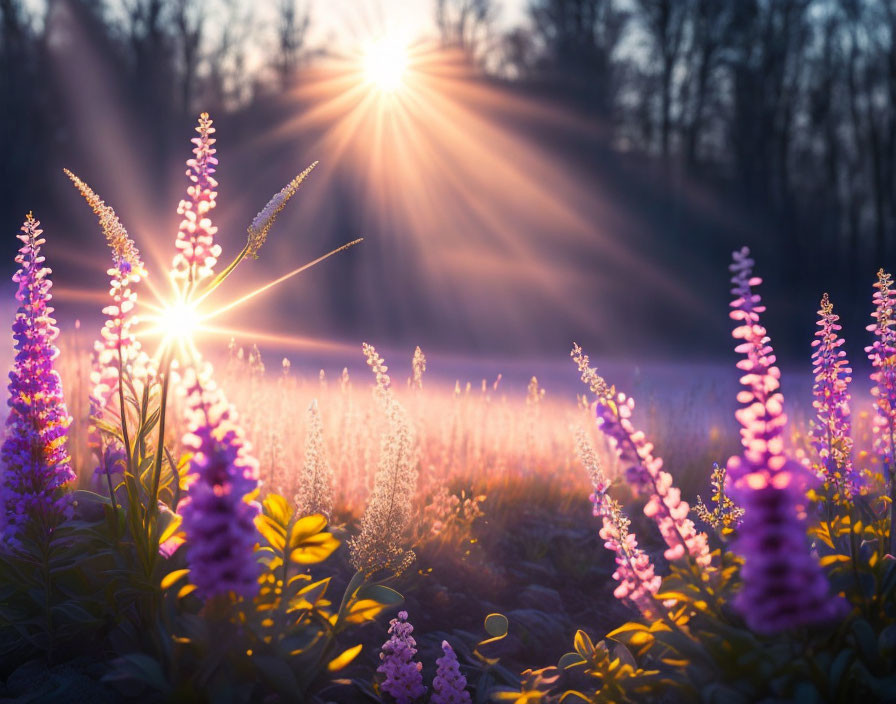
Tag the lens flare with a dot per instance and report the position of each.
(180, 321)
(385, 63)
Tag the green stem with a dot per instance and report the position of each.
(891, 471)
(153, 507)
(48, 611)
(227, 271)
(160, 448)
(124, 414)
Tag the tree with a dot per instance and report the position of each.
(579, 39)
(466, 25)
(664, 21)
(292, 30)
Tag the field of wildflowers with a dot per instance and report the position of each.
(178, 532)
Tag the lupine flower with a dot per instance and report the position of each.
(643, 471)
(449, 685)
(36, 464)
(387, 519)
(316, 492)
(118, 345)
(218, 515)
(883, 359)
(264, 221)
(403, 679)
(830, 432)
(634, 571)
(197, 252)
(784, 586)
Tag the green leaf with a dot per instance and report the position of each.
(496, 625)
(866, 640)
(277, 673)
(88, 497)
(305, 528)
(833, 559)
(380, 593)
(171, 522)
(314, 549)
(141, 668)
(571, 660)
(340, 661)
(271, 531)
(172, 577)
(277, 508)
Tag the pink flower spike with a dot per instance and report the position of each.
(784, 586)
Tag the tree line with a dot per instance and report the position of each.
(787, 106)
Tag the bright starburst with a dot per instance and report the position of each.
(385, 63)
(180, 320)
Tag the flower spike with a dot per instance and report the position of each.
(36, 464)
(784, 586)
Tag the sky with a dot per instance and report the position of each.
(342, 19)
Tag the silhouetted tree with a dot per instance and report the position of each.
(292, 30)
(466, 25)
(579, 38)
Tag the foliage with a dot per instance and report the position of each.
(703, 642)
(167, 574)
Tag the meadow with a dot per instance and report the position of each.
(246, 531)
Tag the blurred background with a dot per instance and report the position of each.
(525, 173)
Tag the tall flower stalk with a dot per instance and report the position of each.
(316, 492)
(783, 585)
(36, 464)
(643, 471)
(638, 583)
(118, 354)
(380, 546)
(197, 251)
(830, 432)
(882, 353)
(219, 514)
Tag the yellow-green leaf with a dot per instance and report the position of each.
(278, 508)
(272, 532)
(173, 577)
(363, 610)
(314, 548)
(173, 524)
(831, 559)
(496, 625)
(583, 645)
(306, 527)
(344, 659)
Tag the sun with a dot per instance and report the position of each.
(180, 321)
(385, 64)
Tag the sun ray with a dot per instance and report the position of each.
(291, 341)
(261, 289)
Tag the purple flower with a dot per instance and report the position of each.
(783, 585)
(118, 345)
(403, 680)
(218, 518)
(883, 358)
(449, 685)
(830, 432)
(36, 463)
(637, 581)
(644, 472)
(197, 252)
